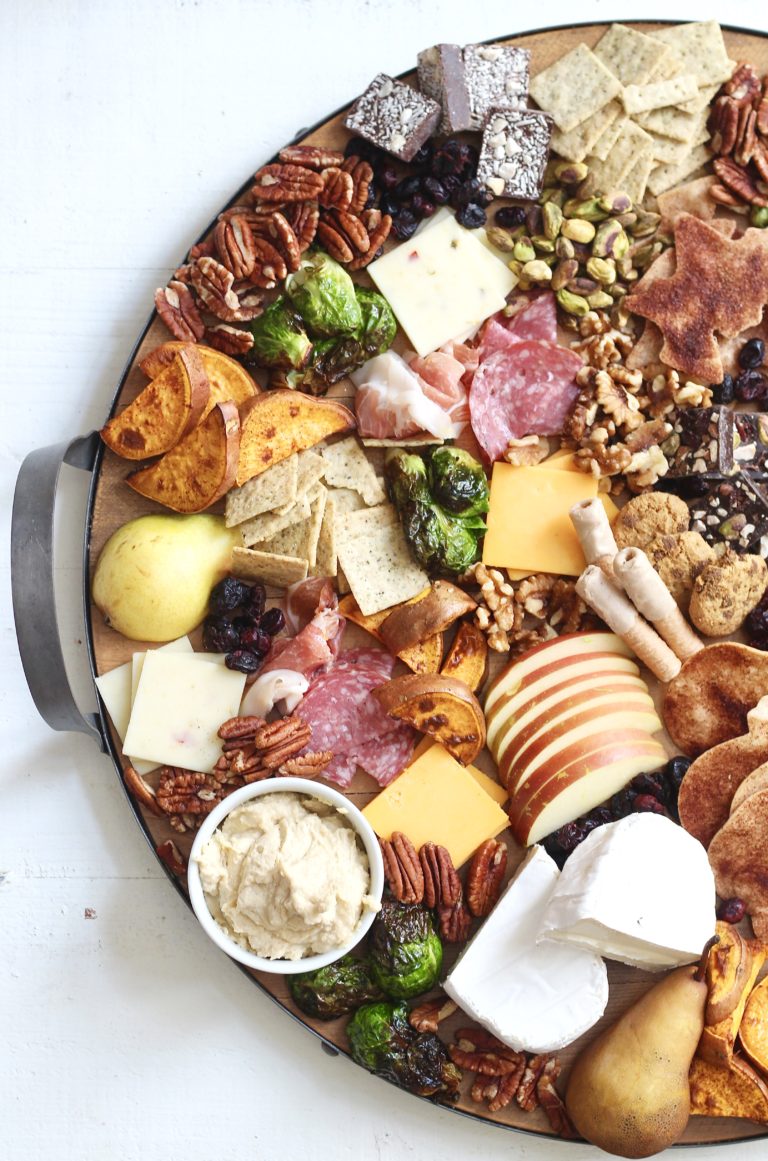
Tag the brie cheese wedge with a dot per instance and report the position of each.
(535, 997)
(639, 890)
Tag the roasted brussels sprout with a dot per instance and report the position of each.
(324, 295)
(279, 338)
(405, 951)
(457, 481)
(383, 1041)
(444, 542)
(379, 326)
(334, 990)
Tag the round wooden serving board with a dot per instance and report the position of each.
(113, 503)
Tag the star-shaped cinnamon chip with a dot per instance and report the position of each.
(719, 286)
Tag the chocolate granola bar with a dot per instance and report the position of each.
(706, 443)
(442, 77)
(393, 116)
(733, 513)
(468, 82)
(514, 153)
(750, 443)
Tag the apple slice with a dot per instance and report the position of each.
(228, 378)
(520, 671)
(200, 469)
(547, 699)
(584, 784)
(442, 707)
(166, 411)
(590, 714)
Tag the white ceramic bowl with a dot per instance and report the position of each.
(283, 786)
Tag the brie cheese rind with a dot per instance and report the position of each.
(535, 997)
(640, 891)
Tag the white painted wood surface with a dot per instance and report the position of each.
(124, 127)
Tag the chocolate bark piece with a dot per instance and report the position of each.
(496, 78)
(706, 443)
(750, 443)
(442, 77)
(733, 513)
(514, 153)
(393, 116)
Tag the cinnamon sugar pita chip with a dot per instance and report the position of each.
(720, 285)
(691, 198)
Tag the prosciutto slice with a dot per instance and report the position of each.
(316, 645)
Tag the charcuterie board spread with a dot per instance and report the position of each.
(440, 477)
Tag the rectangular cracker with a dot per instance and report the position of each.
(670, 122)
(630, 55)
(364, 520)
(270, 523)
(606, 142)
(278, 485)
(574, 87)
(632, 142)
(667, 151)
(311, 469)
(659, 94)
(701, 48)
(580, 142)
(346, 500)
(327, 562)
(668, 65)
(267, 567)
(635, 181)
(663, 177)
(378, 566)
(347, 466)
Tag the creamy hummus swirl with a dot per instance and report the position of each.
(286, 876)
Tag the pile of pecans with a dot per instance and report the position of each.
(738, 127)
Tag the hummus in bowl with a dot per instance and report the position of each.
(286, 875)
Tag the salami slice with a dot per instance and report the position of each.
(537, 322)
(385, 758)
(526, 390)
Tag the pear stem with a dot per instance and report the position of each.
(701, 969)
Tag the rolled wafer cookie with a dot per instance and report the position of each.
(595, 534)
(620, 615)
(653, 600)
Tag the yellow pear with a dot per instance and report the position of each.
(628, 1091)
(155, 574)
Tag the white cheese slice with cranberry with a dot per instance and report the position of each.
(442, 283)
(640, 891)
(181, 700)
(535, 997)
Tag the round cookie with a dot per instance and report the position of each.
(678, 560)
(725, 591)
(646, 517)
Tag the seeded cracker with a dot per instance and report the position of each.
(574, 87)
(278, 485)
(347, 499)
(267, 567)
(394, 116)
(327, 560)
(610, 136)
(378, 565)
(664, 177)
(514, 152)
(630, 55)
(635, 181)
(347, 466)
(701, 49)
(632, 144)
(270, 523)
(659, 94)
(581, 141)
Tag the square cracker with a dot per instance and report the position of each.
(361, 522)
(664, 177)
(659, 94)
(346, 500)
(577, 144)
(629, 54)
(608, 139)
(270, 523)
(701, 48)
(267, 567)
(635, 180)
(378, 566)
(278, 485)
(632, 143)
(347, 466)
(300, 540)
(574, 87)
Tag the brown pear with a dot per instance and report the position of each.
(628, 1091)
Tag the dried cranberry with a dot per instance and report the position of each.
(404, 224)
(597, 817)
(450, 183)
(406, 188)
(756, 624)
(686, 487)
(451, 157)
(648, 784)
(509, 216)
(648, 804)
(620, 805)
(371, 197)
(359, 147)
(257, 599)
(435, 190)
(388, 177)
(749, 386)
(677, 768)
(389, 203)
(422, 206)
(256, 641)
(219, 635)
(731, 910)
(466, 192)
(723, 392)
(423, 157)
(273, 621)
(244, 622)
(570, 835)
(243, 660)
(752, 354)
(471, 216)
(227, 595)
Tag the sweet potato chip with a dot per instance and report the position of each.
(468, 656)
(753, 1030)
(167, 410)
(228, 378)
(718, 1039)
(736, 1091)
(719, 285)
(278, 423)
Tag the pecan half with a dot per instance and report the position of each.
(212, 283)
(534, 1069)
(188, 792)
(485, 877)
(442, 886)
(172, 857)
(744, 84)
(204, 249)
(237, 728)
(507, 1088)
(287, 183)
(276, 228)
(402, 868)
(269, 265)
(306, 765)
(378, 226)
(338, 188)
(554, 1108)
(177, 309)
(303, 218)
(278, 741)
(141, 790)
(739, 181)
(312, 156)
(427, 1017)
(361, 173)
(230, 340)
(454, 922)
(478, 1051)
(233, 239)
